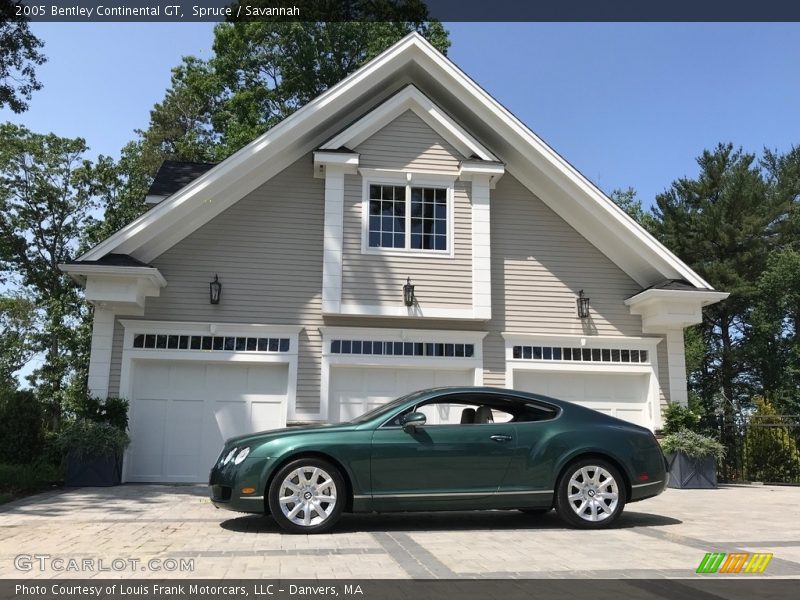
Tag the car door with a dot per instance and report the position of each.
(441, 462)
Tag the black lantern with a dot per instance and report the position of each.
(583, 306)
(408, 293)
(215, 289)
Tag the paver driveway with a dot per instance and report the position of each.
(663, 537)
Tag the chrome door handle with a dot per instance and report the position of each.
(500, 438)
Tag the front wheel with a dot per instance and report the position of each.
(591, 494)
(307, 496)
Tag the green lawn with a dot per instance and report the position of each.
(23, 480)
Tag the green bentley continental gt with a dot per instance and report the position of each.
(444, 449)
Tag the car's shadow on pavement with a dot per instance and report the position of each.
(445, 521)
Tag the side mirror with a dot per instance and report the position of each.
(413, 420)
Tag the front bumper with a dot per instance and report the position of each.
(226, 486)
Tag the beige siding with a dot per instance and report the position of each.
(408, 143)
(378, 278)
(267, 250)
(539, 263)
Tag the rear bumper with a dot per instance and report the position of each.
(642, 491)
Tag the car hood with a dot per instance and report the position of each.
(271, 434)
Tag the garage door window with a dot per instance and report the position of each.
(151, 341)
(381, 348)
(562, 353)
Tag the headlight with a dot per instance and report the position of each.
(241, 456)
(228, 457)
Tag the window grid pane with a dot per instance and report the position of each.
(428, 218)
(387, 216)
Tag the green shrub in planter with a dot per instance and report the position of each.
(692, 459)
(113, 411)
(93, 453)
(678, 417)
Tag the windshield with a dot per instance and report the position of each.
(384, 408)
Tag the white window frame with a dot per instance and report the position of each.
(407, 179)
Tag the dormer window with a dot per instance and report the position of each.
(415, 217)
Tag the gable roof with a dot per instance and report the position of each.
(411, 60)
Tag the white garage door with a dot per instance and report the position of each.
(355, 390)
(181, 412)
(620, 395)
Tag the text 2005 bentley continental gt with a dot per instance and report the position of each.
(444, 449)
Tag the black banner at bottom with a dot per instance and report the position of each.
(399, 589)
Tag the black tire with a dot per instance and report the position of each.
(568, 509)
(535, 512)
(310, 487)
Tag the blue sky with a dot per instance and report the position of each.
(628, 104)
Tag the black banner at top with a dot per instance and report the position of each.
(383, 10)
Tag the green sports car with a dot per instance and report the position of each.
(444, 449)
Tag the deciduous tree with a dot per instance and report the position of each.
(45, 204)
(19, 57)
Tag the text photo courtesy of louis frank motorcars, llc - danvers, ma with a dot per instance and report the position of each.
(399, 299)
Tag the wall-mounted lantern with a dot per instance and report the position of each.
(408, 293)
(583, 306)
(215, 289)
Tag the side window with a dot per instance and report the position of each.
(410, 218)
(446, 413)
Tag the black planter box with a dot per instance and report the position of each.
(93, 471)
(691, 473)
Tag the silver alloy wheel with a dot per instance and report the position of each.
(307, 496)
(593, 493)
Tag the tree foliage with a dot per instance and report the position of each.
(770, 450)
(629, 201)
(17, 325)
(21, 427)
(19, 57)
(45, 203)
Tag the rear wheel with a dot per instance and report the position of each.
(307, 496)
(591, 494)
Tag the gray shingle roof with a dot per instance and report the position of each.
(111, 260)
(173, 175)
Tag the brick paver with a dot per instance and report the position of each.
(662, 537)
